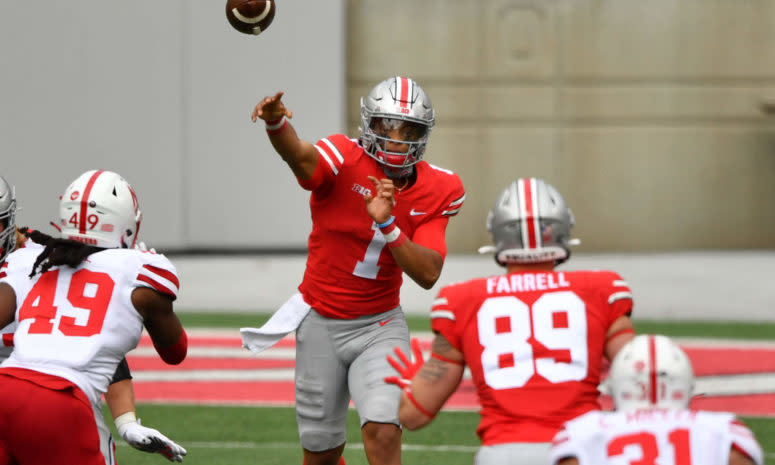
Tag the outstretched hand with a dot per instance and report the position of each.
(271, 109)
(150, 440)
(380, 204)
(406, 371)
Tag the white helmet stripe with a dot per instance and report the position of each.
(85, 201)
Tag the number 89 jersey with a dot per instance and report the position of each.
(78, 323)
(534, 343)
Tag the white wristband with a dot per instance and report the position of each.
(392, 235)
(124, 418)
(277, 125)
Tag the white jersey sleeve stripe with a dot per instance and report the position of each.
(334, 151)
(442, 314)
(327, 159)
(619, 296)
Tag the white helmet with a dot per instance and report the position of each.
(651, 372)
(100, 208)
(392, 104)
(7, 219)
(530, 223)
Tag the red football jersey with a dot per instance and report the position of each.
(350, 271)
(534, 343)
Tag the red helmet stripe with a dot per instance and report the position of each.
(653, 370)
(403, 93)
(85, 201)
(529, 215)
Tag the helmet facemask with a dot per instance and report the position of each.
(7, 219)
(396, 111)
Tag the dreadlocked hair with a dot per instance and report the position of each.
(58, 251)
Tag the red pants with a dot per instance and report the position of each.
(51, 425)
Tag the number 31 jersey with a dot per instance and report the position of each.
(78, 323)
(534, 343)
(655, 437)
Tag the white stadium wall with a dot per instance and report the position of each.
(162, 92)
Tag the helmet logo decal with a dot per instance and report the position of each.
(134, 199)
(74, 195)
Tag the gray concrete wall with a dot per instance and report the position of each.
(646, 115)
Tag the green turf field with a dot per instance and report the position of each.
(716, 329)
(267, 436)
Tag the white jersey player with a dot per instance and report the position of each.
(651, 382)
(80, 303)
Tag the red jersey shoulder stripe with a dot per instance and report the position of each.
(156, 285)
(8, 339)
(166, 274)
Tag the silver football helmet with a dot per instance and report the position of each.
(100, 208)
(396, 103)
(530, 223)
(651, 371)
(7, 219)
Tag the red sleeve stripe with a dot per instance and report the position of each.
(619, 296)
(8, 339)
(737, 447)
(446, 314)
(166, 274)
(159, 287)
(3, 274)
(4, 265)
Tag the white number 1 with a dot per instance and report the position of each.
(368, 268)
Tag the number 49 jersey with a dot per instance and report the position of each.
(534, 343)
(78, 323)
(655, 437)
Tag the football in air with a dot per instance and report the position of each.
(250, 16)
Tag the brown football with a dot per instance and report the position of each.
(250, 16)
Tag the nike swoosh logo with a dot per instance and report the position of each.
(416, 213)
(383, 323)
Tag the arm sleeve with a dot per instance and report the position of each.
(444, 319)
(122, 372)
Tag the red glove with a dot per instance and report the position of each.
(408, 369)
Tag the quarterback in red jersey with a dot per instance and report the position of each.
(378, 210)
(533, 338)
(652, 382)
